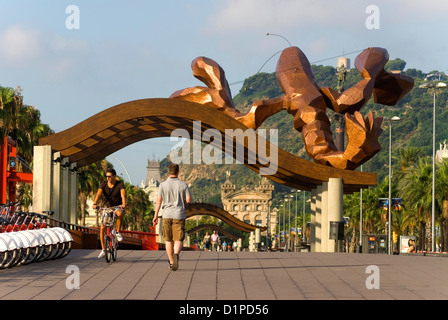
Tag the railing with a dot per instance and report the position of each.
(145, 240)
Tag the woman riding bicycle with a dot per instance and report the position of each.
(113, 194)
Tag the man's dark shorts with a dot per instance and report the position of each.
(173, 229)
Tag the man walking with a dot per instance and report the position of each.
(215, 241)
(173, 197)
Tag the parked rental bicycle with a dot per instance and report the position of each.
(25, 238)
(110, 241)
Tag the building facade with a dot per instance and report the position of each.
(249, 205)
(152, 182)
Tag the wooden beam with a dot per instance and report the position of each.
(119, 126)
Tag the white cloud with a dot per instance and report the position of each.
(48, 53)
(19, 46)
(281, 14)
(311, 15)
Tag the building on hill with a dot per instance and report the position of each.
(442, 152)
(152, 182)
(343, 62)
(249, 205)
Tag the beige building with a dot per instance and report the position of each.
(343, 61)
(249, 205)
(152, 182)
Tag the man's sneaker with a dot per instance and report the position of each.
(175, 262)
(102, 254)
(170, 266)
(119, 237)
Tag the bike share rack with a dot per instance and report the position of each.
(32, 242)
(24, 247)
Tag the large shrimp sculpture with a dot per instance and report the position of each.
(307, 102)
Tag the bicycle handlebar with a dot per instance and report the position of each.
(109, 208)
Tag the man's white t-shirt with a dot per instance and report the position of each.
(173, 192)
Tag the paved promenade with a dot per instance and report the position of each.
(241, 276)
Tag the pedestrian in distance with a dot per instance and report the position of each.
(215, 239)
(206, 241)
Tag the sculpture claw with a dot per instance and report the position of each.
(362, 142)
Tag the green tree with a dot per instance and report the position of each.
(22, 123)
(139, 209)
(416, 191)
(442, 201)
(396, 64)
(89, 180)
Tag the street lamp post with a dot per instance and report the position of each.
(303, 217)
(296, 233)
(289, 221)
(268, 223)
(129, 177)
(360, 218)
(389, 220)
(433, 87)
(279, 224)
(278, 35)
(284, 224)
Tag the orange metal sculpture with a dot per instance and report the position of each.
(307, 102)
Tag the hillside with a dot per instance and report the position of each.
(414, 129)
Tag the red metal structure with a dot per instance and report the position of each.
(8, 174)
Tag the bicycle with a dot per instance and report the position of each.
(110, 236)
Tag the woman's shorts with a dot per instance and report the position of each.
(173, 229)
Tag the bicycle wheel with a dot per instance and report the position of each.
(34, 254)
(107, 248)
(46, 253)
(23, 257)
(113, 248)
(68, 248)
(11, 259)
(4, 258)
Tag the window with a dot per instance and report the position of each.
(258, 220)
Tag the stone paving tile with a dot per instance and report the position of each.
(228, 276)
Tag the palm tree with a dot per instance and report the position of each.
(22, 123)
(407, 156)
(10, 102)
(416, 190)
(139, 209)
(90, 178)
(442, 200)
(351, 210)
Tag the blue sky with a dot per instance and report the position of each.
(127, 50)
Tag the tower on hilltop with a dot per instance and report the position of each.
(153, 172)
(152, 181)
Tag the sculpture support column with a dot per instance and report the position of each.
(73, 196)
(325, 204)
(42, 178)
(316, 219)
(335, 208)
(313, 220)
(56, 181)
(65, 190)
